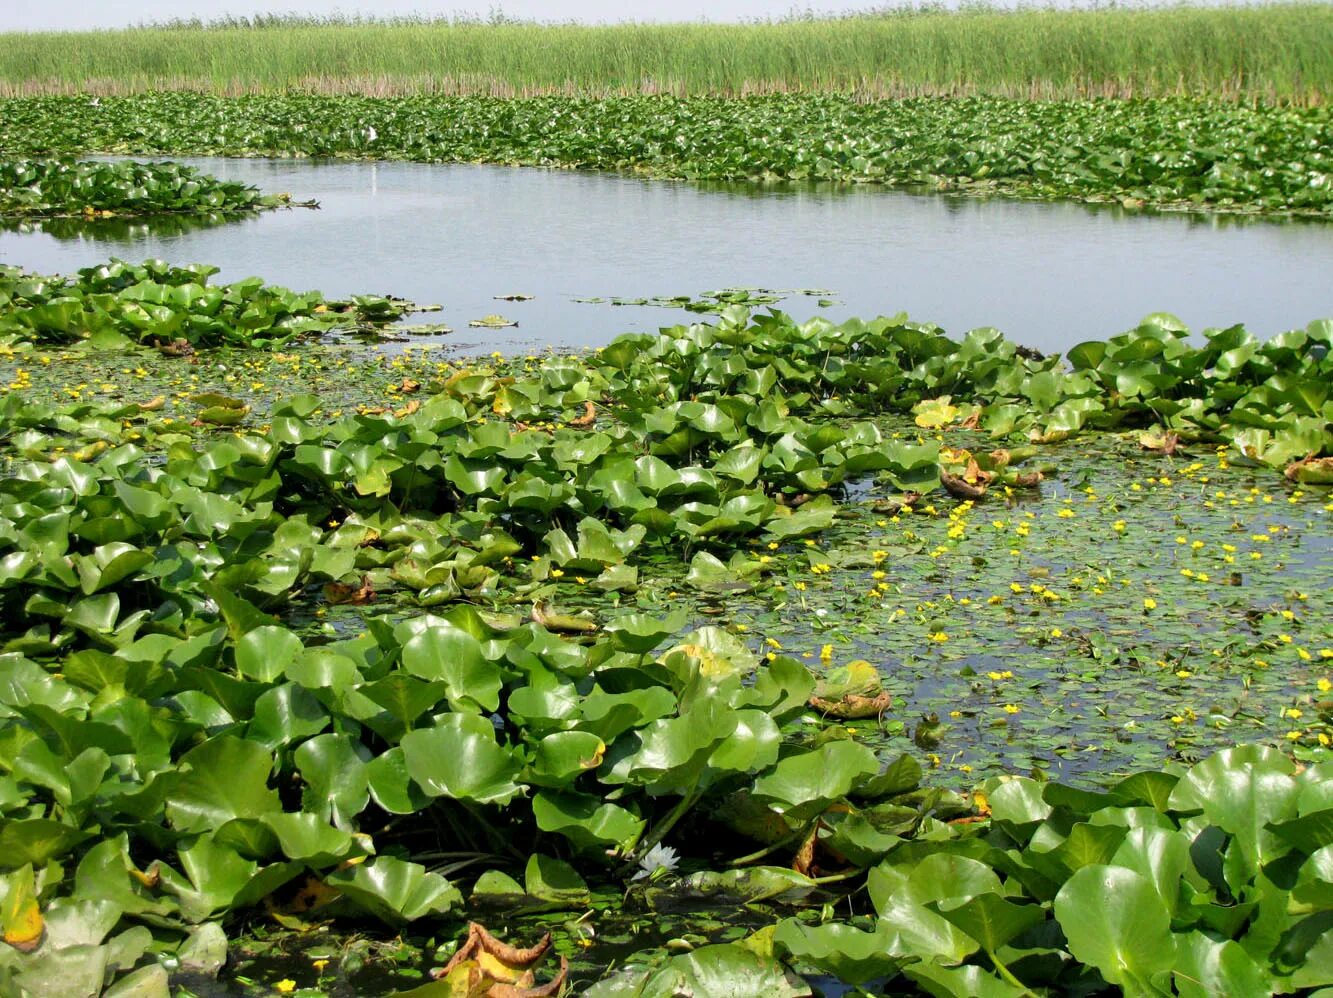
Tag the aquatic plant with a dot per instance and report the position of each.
(1179, 154)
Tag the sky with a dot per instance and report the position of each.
(77, 15)
(30, 15)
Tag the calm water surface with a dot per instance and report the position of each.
(1048, 275)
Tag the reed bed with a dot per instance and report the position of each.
(1280, 53)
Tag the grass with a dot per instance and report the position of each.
(1268, 52)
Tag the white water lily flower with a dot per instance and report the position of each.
(659, 857)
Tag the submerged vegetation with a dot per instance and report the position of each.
(1269, 52)
(1175, 154)
(746, 612)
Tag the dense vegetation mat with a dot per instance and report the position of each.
(52, 188)
(1266, 52)
(1180, 154)
(548, 642)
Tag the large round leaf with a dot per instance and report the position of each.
(223, 778)
(451, 655)
(461, 759)
(1115, 920)
(801, 786)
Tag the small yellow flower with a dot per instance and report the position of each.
(939, 637)
(826, 653)
(1011, 708)
(1324, 685)
(1150, 604)
(285, 986)
(1056, 632)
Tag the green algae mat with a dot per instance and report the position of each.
(749, 657)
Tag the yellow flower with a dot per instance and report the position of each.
(285, 986)
(1294, 713)
(939, 637)
(1056, 632)
(1150, 604)
(556, 573)
(826, 653)
(1065, 514)
(1011, 708)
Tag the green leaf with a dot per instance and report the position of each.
(460, 758)
(222, 779)
(850, 955)
(337, 783)
(587, 821)
(1114, 920)
(802, 785)
(1243, 791)
(394, 890)
(721, 971)
(1206, 967)
(991, 919)
(555, 881)
(448, 654)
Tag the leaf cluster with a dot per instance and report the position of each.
(1174, 153)
(47, 188)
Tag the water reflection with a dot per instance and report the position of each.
(121, 232)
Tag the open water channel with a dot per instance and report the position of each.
(1047, 275)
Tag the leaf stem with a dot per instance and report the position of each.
(683, 805)
(1008, 974)
(785, 841)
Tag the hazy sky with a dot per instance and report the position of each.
(39, 14)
